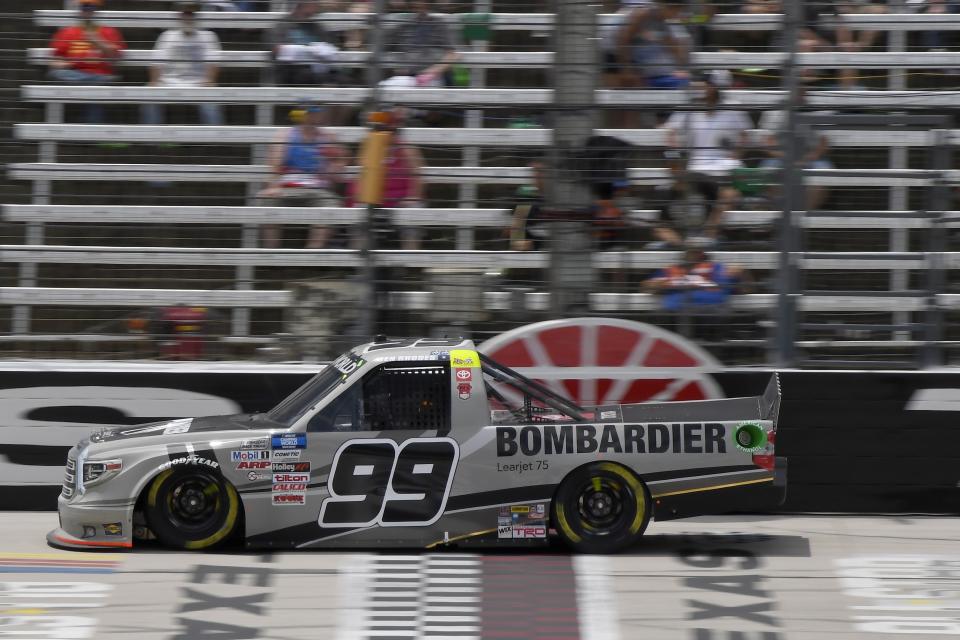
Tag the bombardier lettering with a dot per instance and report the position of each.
(686, 437)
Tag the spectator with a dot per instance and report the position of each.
(84, 54)
(609, 218)
(403, 182)
(303, 50)
(307, 166)
(696, 283)
(528, 229)
(712, 141)
(185, 57)
(653, 47)
(609, 35)
(356, 38)
(815, 151)
(822, 16)
(421, 46)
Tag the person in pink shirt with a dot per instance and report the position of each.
(403, 183)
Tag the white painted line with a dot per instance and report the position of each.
(596, 598)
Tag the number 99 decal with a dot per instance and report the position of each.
(377, 481)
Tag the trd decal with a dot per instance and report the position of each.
(377, 481)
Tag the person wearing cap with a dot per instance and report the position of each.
(307, 166)
(304, 51)
(185, 57)
(84, 53)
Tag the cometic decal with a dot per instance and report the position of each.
(612, 438)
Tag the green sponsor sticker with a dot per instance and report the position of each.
(749, 437)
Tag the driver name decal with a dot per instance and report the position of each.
(689, 437)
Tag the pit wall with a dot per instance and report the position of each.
(857, 441)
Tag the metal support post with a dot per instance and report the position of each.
(41, 192)
(368, 240)
(786, 326)
(240, 318)
(938, 201)
(471, 155)
(568, 198)
(899, 238)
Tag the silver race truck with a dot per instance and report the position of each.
(421, 443)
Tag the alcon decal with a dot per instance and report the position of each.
(690, 437)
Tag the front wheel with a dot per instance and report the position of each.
(601, 508)
(192, 508)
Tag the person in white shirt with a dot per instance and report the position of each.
(712, 140)
(185, 57)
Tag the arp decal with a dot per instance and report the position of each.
(376, 481)
(253, 464)
(612, 438)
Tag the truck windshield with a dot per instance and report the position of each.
(516, 399)
(315, 389)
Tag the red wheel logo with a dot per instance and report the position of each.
(608, 361)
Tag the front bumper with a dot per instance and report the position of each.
(86, 526)
(63, 540)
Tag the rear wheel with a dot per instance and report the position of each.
(601, 508)
(192, 508)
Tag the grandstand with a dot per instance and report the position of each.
(105, 224)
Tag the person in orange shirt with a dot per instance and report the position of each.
(84, 54)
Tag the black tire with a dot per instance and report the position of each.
(192, 508)
(600, 508)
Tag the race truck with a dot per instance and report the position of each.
(421, 443)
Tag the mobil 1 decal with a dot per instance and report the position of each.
(378, 481)
(687, 437)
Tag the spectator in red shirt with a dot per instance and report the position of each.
(84, 54)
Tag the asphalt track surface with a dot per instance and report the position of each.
(724, 578)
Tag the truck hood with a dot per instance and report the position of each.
(239, 422)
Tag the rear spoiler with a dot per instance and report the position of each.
(762, 407)
(770, 400)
